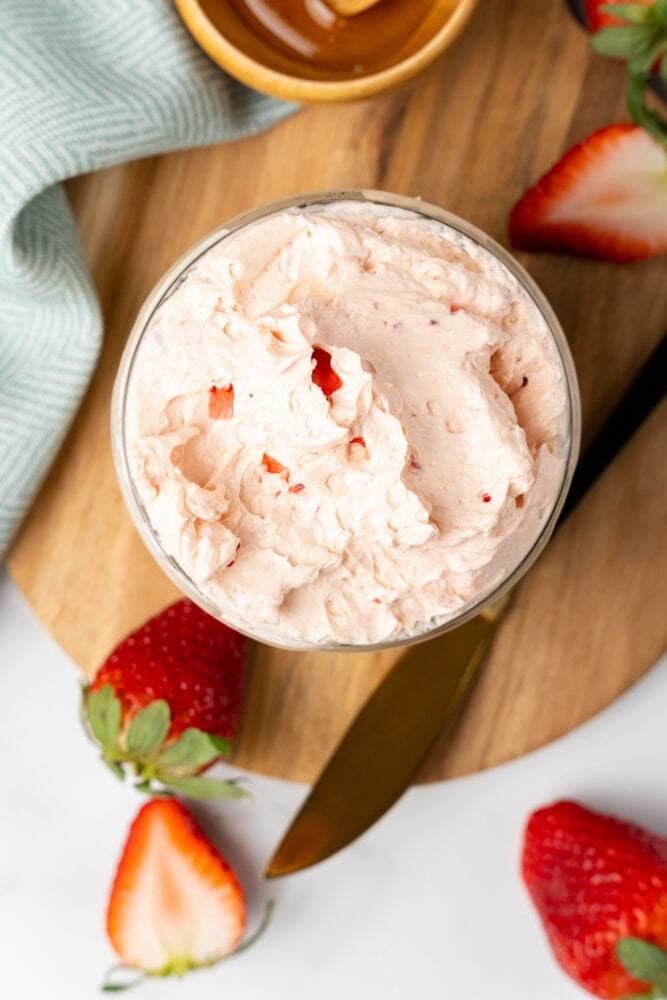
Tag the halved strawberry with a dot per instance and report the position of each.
(167, 700)
(606, 198)
(175, 903)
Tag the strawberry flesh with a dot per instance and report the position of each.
(594, 879)
(175, 903)
(275, 467)
(606, 198)
(221, 402)
(324, 377)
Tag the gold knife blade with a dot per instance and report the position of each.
(384, 747)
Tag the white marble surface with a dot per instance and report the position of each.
(427, 905)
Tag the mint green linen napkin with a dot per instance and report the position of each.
(83, 84)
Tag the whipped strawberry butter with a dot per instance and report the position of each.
(346, 423)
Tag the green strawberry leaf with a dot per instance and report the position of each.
(630, 41)
(148, 729)
(222, 745)
(104, 712)
(194, 748)
(146, 787)
(115, 768)
(643, 960)
(633, 13)
(204, 788)
(113, 984)
(659, 11)
(663, 69)
(643, 63)
(640, 111)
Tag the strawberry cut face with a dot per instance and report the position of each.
(606, 198)
(175, 903)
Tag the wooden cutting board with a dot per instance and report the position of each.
(470, 135)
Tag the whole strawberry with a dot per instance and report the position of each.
(167, 700)
(600, 887)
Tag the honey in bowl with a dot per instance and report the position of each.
(307, 38)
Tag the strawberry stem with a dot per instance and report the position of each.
(115, 768)
(109, 986)
(638, 35)
(147, 788)
(264, 923)
(640, 111)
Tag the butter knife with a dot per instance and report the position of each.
(423, 695)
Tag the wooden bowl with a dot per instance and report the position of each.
(238, 50)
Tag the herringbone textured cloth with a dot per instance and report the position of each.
(83, 84)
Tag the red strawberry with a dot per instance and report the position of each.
(168, 698)
(175, 903)
(275, 467)
(606, 198)
(221, 402)
(597, 17)
(323, 374)
(600, 887)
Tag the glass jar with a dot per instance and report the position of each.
(525, 555)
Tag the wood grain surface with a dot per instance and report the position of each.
(517, 89)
